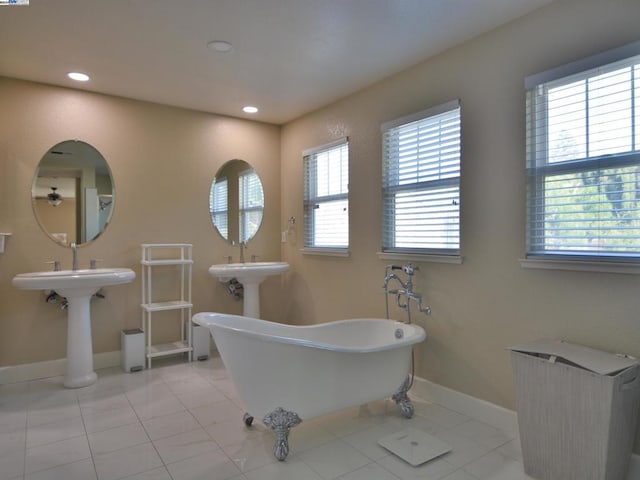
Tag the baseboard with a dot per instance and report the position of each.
(503, 418)
(52, 368)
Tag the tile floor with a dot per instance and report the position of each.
(182, 421)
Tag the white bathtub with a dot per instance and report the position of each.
(313, 370)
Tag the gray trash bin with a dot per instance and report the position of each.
(577, 410)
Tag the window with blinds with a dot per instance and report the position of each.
(251, 204)
(326, 196)
(421, 182)
(583, 159)
(219, 206)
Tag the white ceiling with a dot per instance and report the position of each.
(289, 57)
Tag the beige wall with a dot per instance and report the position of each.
(163, 160)
(489, 302)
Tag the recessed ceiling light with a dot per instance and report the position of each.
(250, 109)
(220, 46)
(78, 77)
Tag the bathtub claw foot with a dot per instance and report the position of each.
(281, 421)
(402, 399)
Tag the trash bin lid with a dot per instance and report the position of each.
(603, 363)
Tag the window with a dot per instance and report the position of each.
(583, 159)
(421, 182)
(326, 196)
(251, 204)
(218, 205)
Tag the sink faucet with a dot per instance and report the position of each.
(74, 251)
(242, 247)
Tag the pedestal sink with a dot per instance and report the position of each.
(250, 275)
(78, 286)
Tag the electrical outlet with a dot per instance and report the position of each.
(283, 237)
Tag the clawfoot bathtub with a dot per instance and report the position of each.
(285, 374)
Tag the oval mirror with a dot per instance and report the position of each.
(73, 193)
(236, 201)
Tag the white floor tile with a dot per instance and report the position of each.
(55, 454)
(11, 463)
(291, 469)
(160, 473)
(168, 425)
(366, 441)
(209, 466)
(308, 435)
(54, 431)
(433, 470)
(464, 450)
(158, 407)
(512, 449)
(97, 421)
(82, 470)
(333, 459)
(126, 462)
(217, 412)
(193, 416)
(13, 440)
(496, 466)
(197, 397)
(440, 415)
(459, 475)
(12, 418)
(184, 445)
(369, 472)
(52, 413)
(234, 431)
(252, 453)
(482, 433)
(117, 438)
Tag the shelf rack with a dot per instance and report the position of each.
(154, 257)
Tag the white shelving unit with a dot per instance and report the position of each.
(156, 257)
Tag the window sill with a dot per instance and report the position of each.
(326, 252)
(418, 257)
(581, 266)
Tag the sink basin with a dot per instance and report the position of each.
(78, 286)
(250, 275)
(69, 280)
(247, 272)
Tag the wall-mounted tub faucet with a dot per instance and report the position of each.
(405, 291)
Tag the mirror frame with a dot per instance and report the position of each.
(75, 170)
(233, 170)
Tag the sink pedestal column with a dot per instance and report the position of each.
(251, 302)
(79, 342)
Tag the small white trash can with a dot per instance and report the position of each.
(132, 350)
(577, 410)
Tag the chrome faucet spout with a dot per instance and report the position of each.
(74, 251)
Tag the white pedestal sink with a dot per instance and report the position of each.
(250, 275)
(78, 286)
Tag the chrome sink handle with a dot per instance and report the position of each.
(56, 265)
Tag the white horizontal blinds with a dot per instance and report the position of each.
(218, 206)
(583, 154)
(421, 182)
(251, 204)
(326, 196)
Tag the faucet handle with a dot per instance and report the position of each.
(93, 263)
(56, 265)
